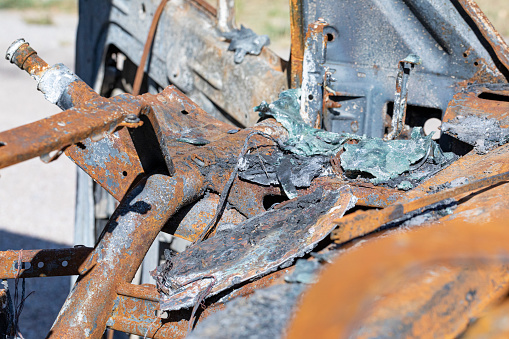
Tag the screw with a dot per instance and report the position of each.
(132, 119)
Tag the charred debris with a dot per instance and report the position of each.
(266, 208)
(296, 228)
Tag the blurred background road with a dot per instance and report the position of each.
(37, 200)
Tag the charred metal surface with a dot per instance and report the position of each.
(363, 58)
(415, 257)
(112, 161)
(120, 250)
(189, 52)
(160, 153)
(479, 116)
(244, 41)
(290, 171)
(42, 263)
(253, 248)
(359, 224)
(373, 196)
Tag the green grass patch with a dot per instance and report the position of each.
(60, 5)
(44, 19)
(271, 17)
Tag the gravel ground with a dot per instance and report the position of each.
(36, 199)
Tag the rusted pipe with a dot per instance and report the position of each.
(22, 55)
(58, 83)
(121, 249)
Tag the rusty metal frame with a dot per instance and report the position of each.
(149, 196)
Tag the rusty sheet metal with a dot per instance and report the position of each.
(252, 249)
(205, 70)
(42, 263)
(174, 116)
(120, 250)
(367, 194)
(362, 223)
(248, 198)
(336, 306)
(136, 308)
(481, 102)
(472, 167)
(375, 196)
(491, 324)
(453, 294)
(112, 162)
(493, 38)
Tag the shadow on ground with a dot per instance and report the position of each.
(38, 314)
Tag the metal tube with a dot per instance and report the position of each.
(120, 251)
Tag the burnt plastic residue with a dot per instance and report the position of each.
(289, 170)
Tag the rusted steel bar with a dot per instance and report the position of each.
(43, 263)
(59, 85)
(345, 292)
(65, 89)
(26, 58)
(95, 116)
(58, 132)
(297, 46)
(361, 223)
(146, 49)
(400, 96)
(493, 38)
(122, 246)
(137, 308)
(145, 292)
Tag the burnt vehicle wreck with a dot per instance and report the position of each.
(316, 199)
